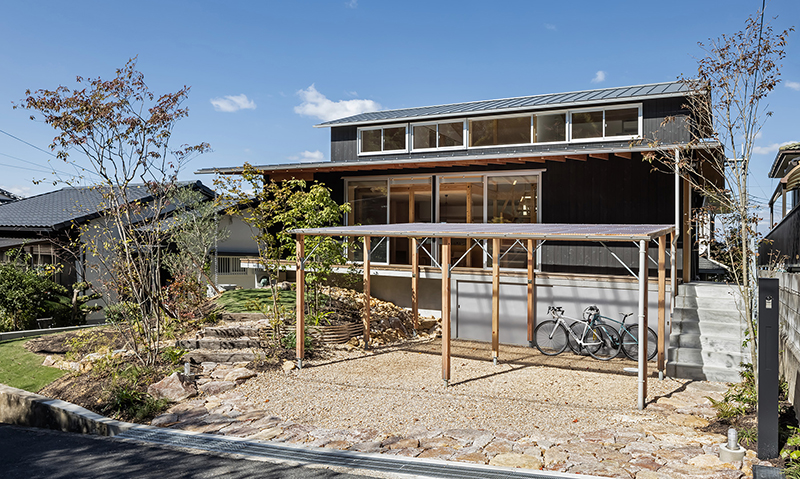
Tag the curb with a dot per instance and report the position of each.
(41, 332)
(23, 408)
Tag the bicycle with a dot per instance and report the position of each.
(629, 334)
(552, 336)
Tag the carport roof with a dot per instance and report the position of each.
(535, 231)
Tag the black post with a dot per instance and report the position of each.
(768, 302)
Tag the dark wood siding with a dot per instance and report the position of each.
(654, 114)
(343, 143)
(617, 191)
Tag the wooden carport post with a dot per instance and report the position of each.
(300, 283)
(414, 283)
(367, 298)
(642, 389)
(446, 310)
(531, 293)
(495, 299)
(662, 296)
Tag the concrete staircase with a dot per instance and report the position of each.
(225, 344)
(707, 334)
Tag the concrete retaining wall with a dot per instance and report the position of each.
(23, 408)
(41, 332)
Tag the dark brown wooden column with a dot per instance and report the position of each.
(445, 262)
(300, 282)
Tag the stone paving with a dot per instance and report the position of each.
(674, 447)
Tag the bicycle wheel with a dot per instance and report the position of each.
(603, 342)
(550, 338)
(630, 343)
(579, 329)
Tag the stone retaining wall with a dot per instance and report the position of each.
(23, 408)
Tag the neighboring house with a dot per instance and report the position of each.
(782, 243)
(7, 196)
(49, 227)
(558, 158)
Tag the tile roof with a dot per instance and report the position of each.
(58, 209)
(552, 100)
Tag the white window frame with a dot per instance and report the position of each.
(382, 127)
(464, 135)
(604, 137)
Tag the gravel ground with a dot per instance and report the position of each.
(399, 390)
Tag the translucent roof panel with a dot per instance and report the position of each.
(536, 231)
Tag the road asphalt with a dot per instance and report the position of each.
(29, 453)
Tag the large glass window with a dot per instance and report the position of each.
(368, 203)
(376, 140)
(587, 124)
(550, 128)
(500, 131)
(424, 137)
(624, 122)
(441, 135)
(451, 134)
(461, 201)
(409, 202)
(512, 199)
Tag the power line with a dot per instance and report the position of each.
(36, 166)
(29, 144)
(75, 165)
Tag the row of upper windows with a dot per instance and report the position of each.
(621, 122)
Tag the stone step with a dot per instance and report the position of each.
(709, 328)
(693, 302)
(199, 356)
(234, 332)
(729, 317)
(706, 342)
(702, 372)
(700, 357)
(707, 290)
(217, 343)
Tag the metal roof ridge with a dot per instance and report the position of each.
(325, 123)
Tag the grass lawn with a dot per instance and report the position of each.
(241, 300)
(22, 369)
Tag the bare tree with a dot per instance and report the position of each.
(124, 131)
(727, 108)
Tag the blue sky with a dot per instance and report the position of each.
(263, 73)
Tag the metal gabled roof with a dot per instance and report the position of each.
(506, 105)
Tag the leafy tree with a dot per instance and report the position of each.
(728, 109)
(272, 209)
(27, 293)
(124, 131)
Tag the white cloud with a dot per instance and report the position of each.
(315, 104)
(308, 156)
(769, 149)
(18, 190)
(793, 85)
(231, 103)
(351, 4)
(550, 26)
(600, 76)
